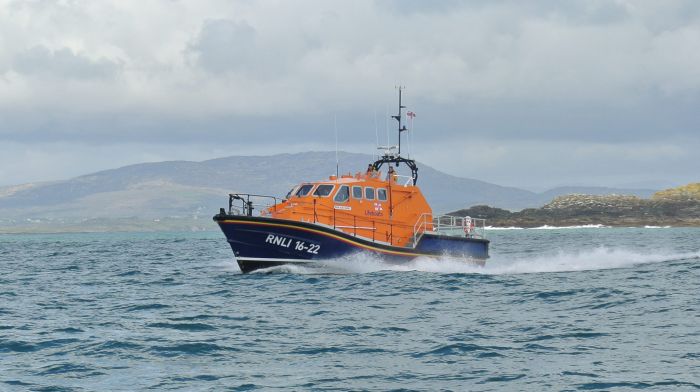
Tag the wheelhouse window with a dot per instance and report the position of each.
(323, 190)
(381, 194)
(357, 192)
(342, 195)
(291, 192)
(304, 190)
(369, 193)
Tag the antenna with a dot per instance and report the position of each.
(408, 140)
(376, 133)
(386, 126)
(335, 128)
(412, 116)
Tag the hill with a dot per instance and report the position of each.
(672, 207)
(686, 192)
(187, 193)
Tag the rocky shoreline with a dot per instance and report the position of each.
(678, 207)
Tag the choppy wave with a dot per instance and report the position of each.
(562, 261)
(113, 324)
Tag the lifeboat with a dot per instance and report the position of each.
(375, 212)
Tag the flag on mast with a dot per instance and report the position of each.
(411, 114)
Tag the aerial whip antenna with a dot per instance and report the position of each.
(412, 116)
(376, 135)
(335, 128)
(386, 126)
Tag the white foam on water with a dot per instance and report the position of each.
(657, 227)
(585, 260)
(548, 227)
(286, 269)
(563, 261)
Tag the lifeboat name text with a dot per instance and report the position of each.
(373, 213)
(286, 242)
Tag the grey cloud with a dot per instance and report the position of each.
(581, 11)
(412, 7)
(570, 72)
(225, 45)
(63, 63)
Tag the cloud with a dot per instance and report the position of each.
(593, 72)
(539, 165)
(62, 63)
(225, 45)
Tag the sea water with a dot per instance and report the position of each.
(558, 309)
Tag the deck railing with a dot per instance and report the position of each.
(457, 226)
(359, 226)
(248, 202)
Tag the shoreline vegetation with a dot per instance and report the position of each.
(676, 207)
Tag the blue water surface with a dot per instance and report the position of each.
(567, 310)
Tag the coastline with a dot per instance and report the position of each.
(672, 208)
(594, 210)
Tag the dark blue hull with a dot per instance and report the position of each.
(259, 242)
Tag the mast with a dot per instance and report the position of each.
(398, 117)
(389, 157)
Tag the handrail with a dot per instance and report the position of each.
(447, 225)
(247, 204)
(417, 232)
(351, 223)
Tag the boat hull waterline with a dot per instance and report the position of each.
(262, 242)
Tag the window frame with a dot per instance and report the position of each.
(374, 193)
(340, 188)
(307, 192)
(319, 186)
(292, 192)
(362, 192)
(386, 195)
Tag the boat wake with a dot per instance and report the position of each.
(593, 259)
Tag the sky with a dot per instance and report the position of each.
(532, 94)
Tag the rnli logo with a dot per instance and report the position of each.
(377, 210)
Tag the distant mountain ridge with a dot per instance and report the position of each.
(197, 189)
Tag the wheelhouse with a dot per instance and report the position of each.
(364, 205)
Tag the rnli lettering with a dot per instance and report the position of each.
(287, 242)
(278, 240)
